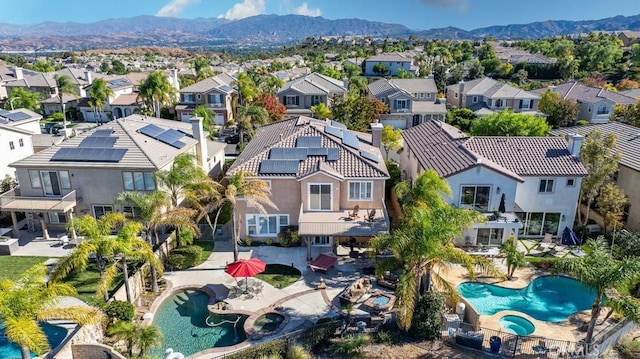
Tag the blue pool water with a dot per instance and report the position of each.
(9, 350)
(381, 300)
(517, 325)
(182, 321)
(548, 298)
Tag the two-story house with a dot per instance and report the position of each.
(392, 62)
(628, 175)
(80, 79)
(485, 96)
(43, 84)
(84, 174)
(319, 173)
(215, 92)
(595, 104)
(299, 95)
(122, 90)
(534, 182)
(16, 130)
(410, 101)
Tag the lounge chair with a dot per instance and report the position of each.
(354, 214)
(322, 263)
(547, 241)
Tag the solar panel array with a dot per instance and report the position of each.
(89, 154)
(279, 167)
(98, 142)
(350, 139)
(17, 116)
(102, 133)
(333, 131)
(338, 125)
(3, 112)
(119, 82)
(171, 137)
(309, 141)
(371, 156)
(301, 154)
(225, 88)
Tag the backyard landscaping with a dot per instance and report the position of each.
(11, 267)
(279, 275)
(85, 284)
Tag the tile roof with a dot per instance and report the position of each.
(448, 151)
(392, 56)
(315, 83)
(385, 87)
(628, 139)
(143, 152)
(212, 83)
(283, 134)
(495, 89)
(583, 93)
(35, 80)
(127, 99)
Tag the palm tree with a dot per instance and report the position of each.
(598, 269)
(99, 94)
(256, 194)
(208, 119)
(128, 247)
(31, 299)
(135, 334)
(65, 86)
(247, 89)
(514, 258)
(99, 243)
(424, 241)
(156, 91)
(250, 117)
(321, 111)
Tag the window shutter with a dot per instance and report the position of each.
(395, 104)
(520, 103)
(221, 98)
(284, 100)
(297, 100)
(408, 104)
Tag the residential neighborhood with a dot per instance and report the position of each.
(283, 183)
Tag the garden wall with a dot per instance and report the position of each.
(88, 334)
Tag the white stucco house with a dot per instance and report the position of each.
(534, 182)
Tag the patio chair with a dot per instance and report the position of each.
(547, 241)
(354, 213)
(371, 215)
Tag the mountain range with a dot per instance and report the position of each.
(263, 30)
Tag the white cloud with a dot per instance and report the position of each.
(244, 9)
(306, 11)
(175, 7)
(456, 4)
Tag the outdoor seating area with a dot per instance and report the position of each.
(388, 280)
(355, 291)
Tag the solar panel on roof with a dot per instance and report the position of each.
(171, 137)
(350, 139)
(17, 116)
(280, 153)
(89, 154)
(318, 151)
(334, 131)
(98, 142)
(151, 130)
(279, 167)
(371, 156)
(102, 133)
(338, 124)
(309, 141)
(333, 154)
(3, 112)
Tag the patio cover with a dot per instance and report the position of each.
(27, 204)
(323, 262)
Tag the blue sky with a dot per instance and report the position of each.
(416, 14)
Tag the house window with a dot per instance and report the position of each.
(401, 104)
(292, 100)
(499, 102)
(421, 94)
(21, 142)
(475, 197)
(428, 94)
(490, 236)
(266, 226)
(536, 224)
(320, 197)
(188, 97)
(315, 100)
(101, 210)
(455, 94)
(57, 217)
(320, 240)
(11, 145)
(603, 109)
(65, 182)
(50, 183)
(138, 181)
(383, 100)
(474, 99)
(360, 191)
(131, 211)
(546, 186)
(214, 99)
(571, 182)
(525, 104)
(34, 176)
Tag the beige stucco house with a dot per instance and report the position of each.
(299, 95)
(215, 92)
(82, 175)
(318, 172)
(485, 96)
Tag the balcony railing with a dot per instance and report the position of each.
(13, 201)
(343, 223)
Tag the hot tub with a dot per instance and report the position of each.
(380, 301)
(268, 323)
(517, 325)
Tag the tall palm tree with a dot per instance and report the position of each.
(208, 119)
(31, 299)
(65, 86)
(250, 117)
(598, 269)
(247, 89)
(256, 194)
(156, 91)
(145, 337)
(128, 247)
(99, 243)
(99, 94)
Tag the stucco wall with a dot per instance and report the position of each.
(88, 334)
(483, 176)
(629, 182)
(19, 152)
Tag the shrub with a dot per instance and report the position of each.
(248, 240)
(583, 122)
(289, 236)
(387, 337)
(57, 116)
(352, 345)
(426, 322)
(185, 257)
(320, 334)
(119, 310)
(186, 237)
(272, 348)
(268, 242)
(630, 349)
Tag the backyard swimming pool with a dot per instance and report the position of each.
(188, 327)
(548, 298)
(9, 350)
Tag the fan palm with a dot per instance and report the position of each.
(156, 91)
(99, 243)
(99, 94)
(321, 111)
(598, 269)
(65, 86)
(249, 119)
(31, 299)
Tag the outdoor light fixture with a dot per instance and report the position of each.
(562, 218)
(498, 190)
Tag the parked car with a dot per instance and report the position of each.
(236, 138)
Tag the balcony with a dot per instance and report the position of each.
(13, 201)
(342, 223)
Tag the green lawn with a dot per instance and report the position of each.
(207, 248)
(11, 267)
(85, 284)
(279, 275)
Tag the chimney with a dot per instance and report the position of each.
(460, 92)
(376, 134)
(574, 144)
(174, 79)
(88, 77)
(17, 72)
(345, 82)
(201, 146)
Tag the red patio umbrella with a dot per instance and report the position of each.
(246, 268)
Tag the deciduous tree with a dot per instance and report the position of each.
(611, 203)
(561, 112)
(508, 123)
(391, 139)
